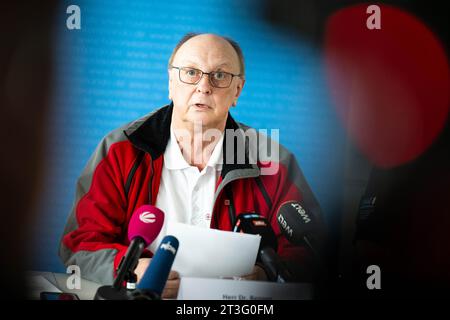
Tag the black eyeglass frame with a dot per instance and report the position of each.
(203, 73)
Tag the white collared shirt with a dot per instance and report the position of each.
(186, 194)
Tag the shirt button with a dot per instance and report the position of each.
(196, 188)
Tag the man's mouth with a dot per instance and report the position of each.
(201, 105)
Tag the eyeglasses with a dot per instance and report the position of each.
(217, 79)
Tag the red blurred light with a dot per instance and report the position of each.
(390, 86)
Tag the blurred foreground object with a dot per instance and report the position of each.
(25, 70)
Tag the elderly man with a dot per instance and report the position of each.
(158, 160)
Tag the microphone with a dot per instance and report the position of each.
(154, 280)
(253, 223)
(145, 225)
(301, 227)
(298, 225)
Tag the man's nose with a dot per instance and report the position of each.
(204, 86)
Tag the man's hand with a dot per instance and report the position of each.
(141, 267)
(173, 280)
(172, 285)
(258, 273)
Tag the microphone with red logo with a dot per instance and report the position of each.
(253, 223)
(145, 225)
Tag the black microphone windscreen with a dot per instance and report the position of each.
(253, 223)
(295, 221)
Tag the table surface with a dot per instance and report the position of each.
(59, 280)
(88, 288)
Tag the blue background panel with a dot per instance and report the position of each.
(114, 70)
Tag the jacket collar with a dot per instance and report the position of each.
(151, 134)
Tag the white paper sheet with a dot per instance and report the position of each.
(225, 289)
(210, 253)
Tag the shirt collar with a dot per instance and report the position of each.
(216, 159)
(174, 160)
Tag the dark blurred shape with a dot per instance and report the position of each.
(25, 77)
(304, 17)
(308, 17)
(406, 230)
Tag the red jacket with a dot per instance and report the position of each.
(124, 173)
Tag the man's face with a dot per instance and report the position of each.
(202, 102)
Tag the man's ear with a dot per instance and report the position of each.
(170, 85)
(239, 88)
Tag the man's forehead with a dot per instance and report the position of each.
(201, 46)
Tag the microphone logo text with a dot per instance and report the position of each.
(302, 212)
(147, 217)
(169, 247)
(284, 225)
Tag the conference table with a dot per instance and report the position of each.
(190, 288)
(43, 281)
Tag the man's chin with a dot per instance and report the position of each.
(200, 119)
